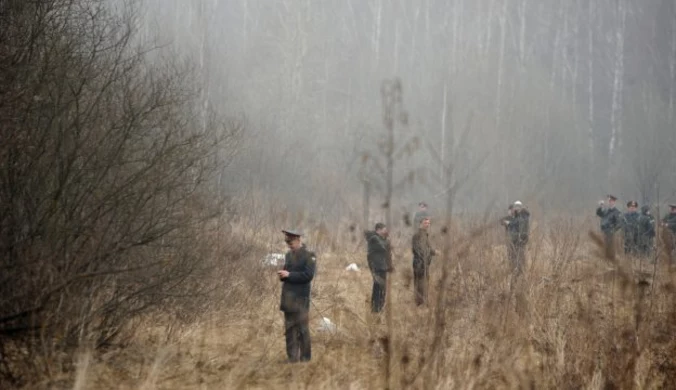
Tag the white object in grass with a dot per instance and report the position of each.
(325, 325)
(352, 267)
(273, 259)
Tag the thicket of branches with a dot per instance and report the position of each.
(107, 168)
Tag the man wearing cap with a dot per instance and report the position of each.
(379, 258)
(422, 259)
(419, 215)
(518, 229)
(630, 226)
(296, 276)
(611, 219)
(507, 222)
(646, 231)
(669, 222)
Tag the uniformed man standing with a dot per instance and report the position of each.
(669, 222)
(646, 229)
(611, 219)
(630, 226)
(379, 259)
(507, 222)
(422, 259)
(296, 276)
(518, 231)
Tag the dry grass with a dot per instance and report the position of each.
(577, 320)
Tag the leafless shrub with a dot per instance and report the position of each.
(107, 179)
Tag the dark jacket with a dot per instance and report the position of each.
(379, 255)
(670, 221)
(422, 250)
(646, 228)
(506, 221)
(611, 219)
(630, 226)
(296, 287)
(519, 227)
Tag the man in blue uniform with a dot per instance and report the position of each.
(611, 220)
(379, 257)
(296, 276)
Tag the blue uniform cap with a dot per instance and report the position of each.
(293, 233)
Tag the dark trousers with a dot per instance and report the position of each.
(645, 247)
(421, 279)
(631, 247)
(609, 241)
(516, 253)
(298, 345)
(379, 290)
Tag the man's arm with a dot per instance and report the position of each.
(307, 273)
(601, 212)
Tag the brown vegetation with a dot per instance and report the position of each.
(577, 320)
(120, 268)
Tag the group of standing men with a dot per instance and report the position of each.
(300, 263)
(638, 228)
(299, 270)
(379, 257)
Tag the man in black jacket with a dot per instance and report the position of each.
(630, 226)
(296, 276)
(518, 230)
(646, 223)
(379, 258)
(422, 259)
(611, 221)
(669, 222)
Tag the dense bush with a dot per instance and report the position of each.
(108, 166)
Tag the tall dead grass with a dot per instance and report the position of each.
(577, 319)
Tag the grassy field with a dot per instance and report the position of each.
(578, 319)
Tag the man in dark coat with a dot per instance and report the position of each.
(507, 222)
(630, 226)
(518, 231)
(296, 276)
(379, 258)
(646, 228)
(611, 220)
(422, 259)
(669, 222)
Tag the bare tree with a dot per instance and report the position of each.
(108, 177)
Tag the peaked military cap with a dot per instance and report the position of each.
(613, 197)
(292, 233)
(632, 203)
(423, 215)
(672, 205)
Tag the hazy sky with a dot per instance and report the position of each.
(562, 100)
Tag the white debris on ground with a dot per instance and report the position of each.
(273, 259)
(325, 325)
(352, 267)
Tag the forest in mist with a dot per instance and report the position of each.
(554, 102)
(151, 151)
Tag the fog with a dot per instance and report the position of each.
(553, 102)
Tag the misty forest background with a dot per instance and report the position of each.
(151, 150)
(563, 101)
